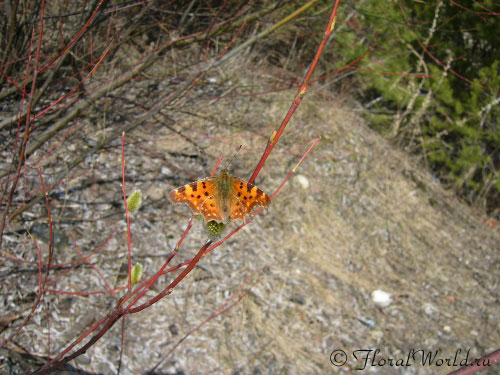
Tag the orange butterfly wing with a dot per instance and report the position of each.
(200, 196)
(245, 197)
(222, 198)
(237, 210)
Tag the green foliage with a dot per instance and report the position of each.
(431, 81)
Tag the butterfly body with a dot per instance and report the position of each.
(221, 198)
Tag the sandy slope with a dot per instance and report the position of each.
(369, 219)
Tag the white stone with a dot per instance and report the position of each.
(303, 181)
(430, 309)
(381, 298)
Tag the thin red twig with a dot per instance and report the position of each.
(80, 261)
(275, 135)
(35, 304)
(225, 307)
(75, 38)
(97, 271)
(111, 319)
(482, 363)
(103, 325)
(41, 282)
(127, 214)
(76, 86)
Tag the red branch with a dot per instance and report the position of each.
(485, 362)
(127, 305)
(276, 134)
(127, 214)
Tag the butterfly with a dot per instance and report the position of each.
(221, 198)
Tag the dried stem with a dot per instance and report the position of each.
(276, 134)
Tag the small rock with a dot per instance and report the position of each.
(381, 298)
(155, 193)
(377, 335)
(173, 329)
(430, 342)
(429, 309)
(303, 181)
(165, 171)
(298, 299)
(367, 322)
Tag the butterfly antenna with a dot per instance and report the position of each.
(234, 156)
